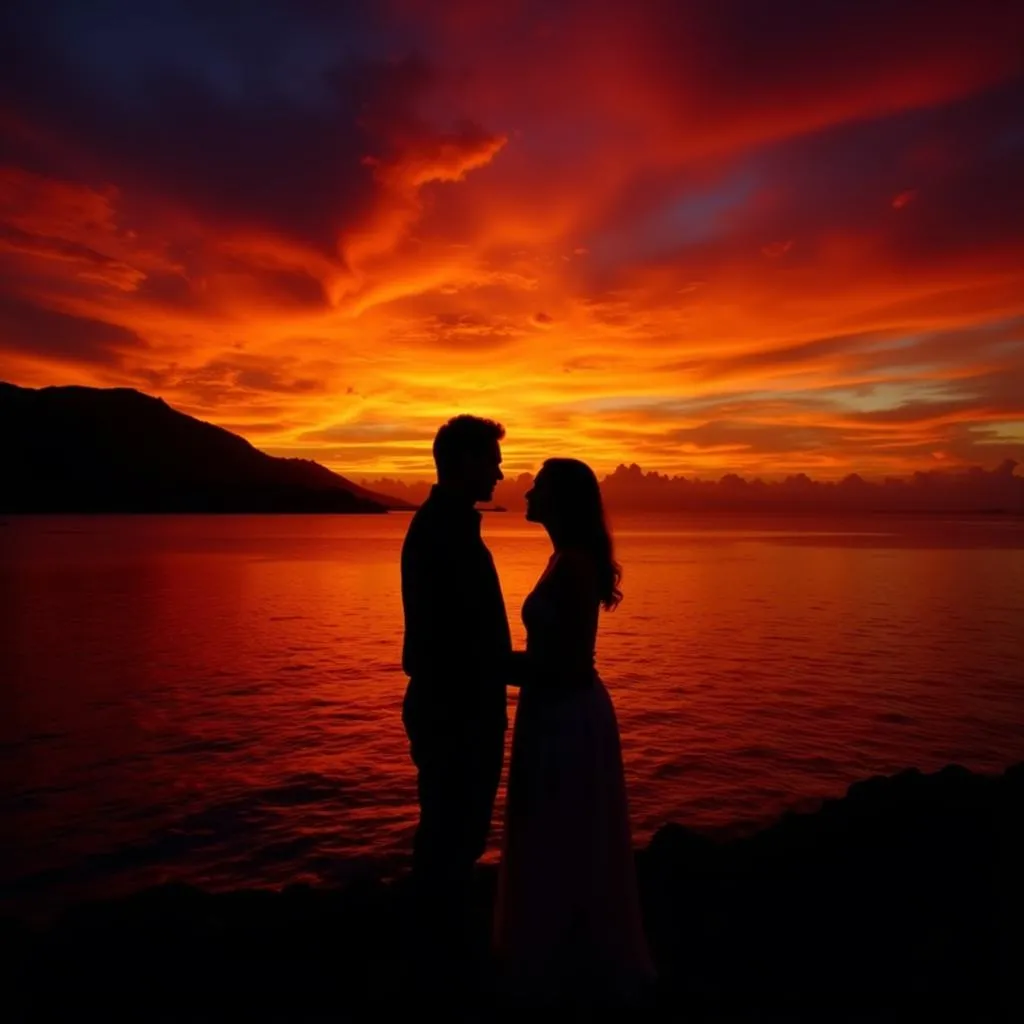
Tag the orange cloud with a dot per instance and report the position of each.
(681, 235)
(439, 159)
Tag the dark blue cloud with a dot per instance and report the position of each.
(257, 113)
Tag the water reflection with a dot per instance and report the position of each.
(217, 699)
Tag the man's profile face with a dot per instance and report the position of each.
(484, 472)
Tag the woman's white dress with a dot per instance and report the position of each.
(568, 911)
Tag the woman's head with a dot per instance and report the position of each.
(566, 499)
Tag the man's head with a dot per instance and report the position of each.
(468, 456)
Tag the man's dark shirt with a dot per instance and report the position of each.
(457, 649)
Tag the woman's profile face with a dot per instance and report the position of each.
(539, 499)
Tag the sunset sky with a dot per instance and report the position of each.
(703, 236)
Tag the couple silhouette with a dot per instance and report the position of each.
(567, 916)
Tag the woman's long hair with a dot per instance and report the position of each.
(576, 495)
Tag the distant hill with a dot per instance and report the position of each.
(78, 449)
(970, 490)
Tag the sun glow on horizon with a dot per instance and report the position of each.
(655, 234)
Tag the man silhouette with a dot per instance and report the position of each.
(457, 653)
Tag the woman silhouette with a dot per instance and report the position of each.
(568, 915)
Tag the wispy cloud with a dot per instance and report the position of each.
(710, 238)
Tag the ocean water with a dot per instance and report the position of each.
(216, 700)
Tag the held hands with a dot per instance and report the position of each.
(519, 668)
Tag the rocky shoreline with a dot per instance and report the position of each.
(905, 893)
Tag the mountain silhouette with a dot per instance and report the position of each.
(80, 449)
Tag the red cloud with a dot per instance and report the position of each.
(698, 197)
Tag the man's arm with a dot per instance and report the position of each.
(436, 640)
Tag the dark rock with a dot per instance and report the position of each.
(907, 892)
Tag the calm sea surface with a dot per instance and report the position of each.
(217, 699)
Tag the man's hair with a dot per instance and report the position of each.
(461, 436)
